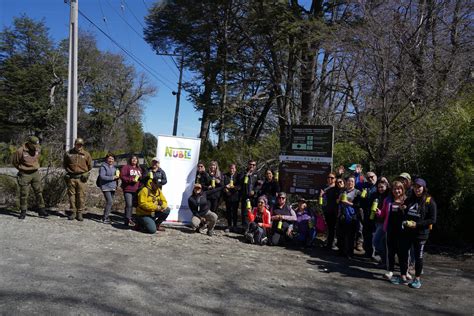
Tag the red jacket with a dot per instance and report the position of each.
(267, 222)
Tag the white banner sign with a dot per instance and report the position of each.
(179, 157)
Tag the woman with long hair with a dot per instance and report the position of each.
(216, 181)
(379, 239)
(270, 188)
(259, 223)
(420, 214)
(130, 175)
(109, 176)
(392, 216)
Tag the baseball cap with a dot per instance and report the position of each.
(405, 175)
(79, 141)
(198, 185)
(353, 167)
(33, 140)
(155, 159)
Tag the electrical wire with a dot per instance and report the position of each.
(132, 56)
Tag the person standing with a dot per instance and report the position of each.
(420, 214)
(249, 182)
(216, 181)
(330, 195)
(152, 209)
(78, 163)
(109, 176)
(26, 160)
(270, 188)
(130, 176)
(155, 172)
(349, 213)
(369, 190)
(231, 197)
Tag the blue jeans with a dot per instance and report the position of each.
(109, 201)
(150, 224)
(380, 241)
(129, 196)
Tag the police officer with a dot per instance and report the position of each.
(26, 160)
(77, 163)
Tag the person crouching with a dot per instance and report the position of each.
(152, 209)
(259, 223)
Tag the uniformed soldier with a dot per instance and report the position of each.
(26, 160)
(77, 163)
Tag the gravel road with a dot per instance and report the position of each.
(58, 267)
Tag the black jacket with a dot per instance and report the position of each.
(423, 211)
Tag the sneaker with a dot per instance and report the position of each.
(264, 241)
(409, 277)
(129, 223)
(210, 233)
(388, 275)
(249, 238)
(22, 215)
(227, 230)
(106, 221)
(415, 284)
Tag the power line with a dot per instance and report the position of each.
(136, 59)
(135, 31)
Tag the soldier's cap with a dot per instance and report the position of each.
(33, 140)
(79, 141)
(405, 175)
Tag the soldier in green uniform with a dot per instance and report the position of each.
(77, 163)
(26, 160)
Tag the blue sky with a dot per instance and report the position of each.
(112, 16)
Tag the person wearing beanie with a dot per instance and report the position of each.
(419, 216)
(26, 160)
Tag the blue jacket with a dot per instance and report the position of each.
(107, 175)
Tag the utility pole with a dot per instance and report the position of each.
(178, 96)
(71, 125)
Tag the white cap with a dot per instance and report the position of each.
(155, 159)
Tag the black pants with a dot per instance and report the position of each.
(278, 233)
(258, 232)
(213, 204)
(393, 248)
(407, 241)
(243, 208)
(368, 233)
(231, 212)
(346, 237)
(331, 220)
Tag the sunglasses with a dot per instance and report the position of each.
(371, 177)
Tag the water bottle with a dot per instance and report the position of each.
(150, 175)
(344, 197)
(277, 175)
(364, 193)
(136, 178)
(117, 172)
(231, 183)
(320, 200)
(373, 208)
(249, 205)
(213, 182)
(246, 179)
(280, 225)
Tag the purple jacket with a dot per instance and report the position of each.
(127, 175)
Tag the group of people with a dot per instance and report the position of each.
(360, 211)
(387, 219)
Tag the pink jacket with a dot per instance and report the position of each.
(385, 211)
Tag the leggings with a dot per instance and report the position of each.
(393, 248)
(406, 243)
(331, 220)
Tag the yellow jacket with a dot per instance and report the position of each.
(149, 203)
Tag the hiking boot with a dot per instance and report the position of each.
(79, 217)
(415, 284)
(71, 216)
(42, 212)
(22, 214)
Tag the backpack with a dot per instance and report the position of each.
(98, 181)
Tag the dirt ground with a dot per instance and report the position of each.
(58, 267)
